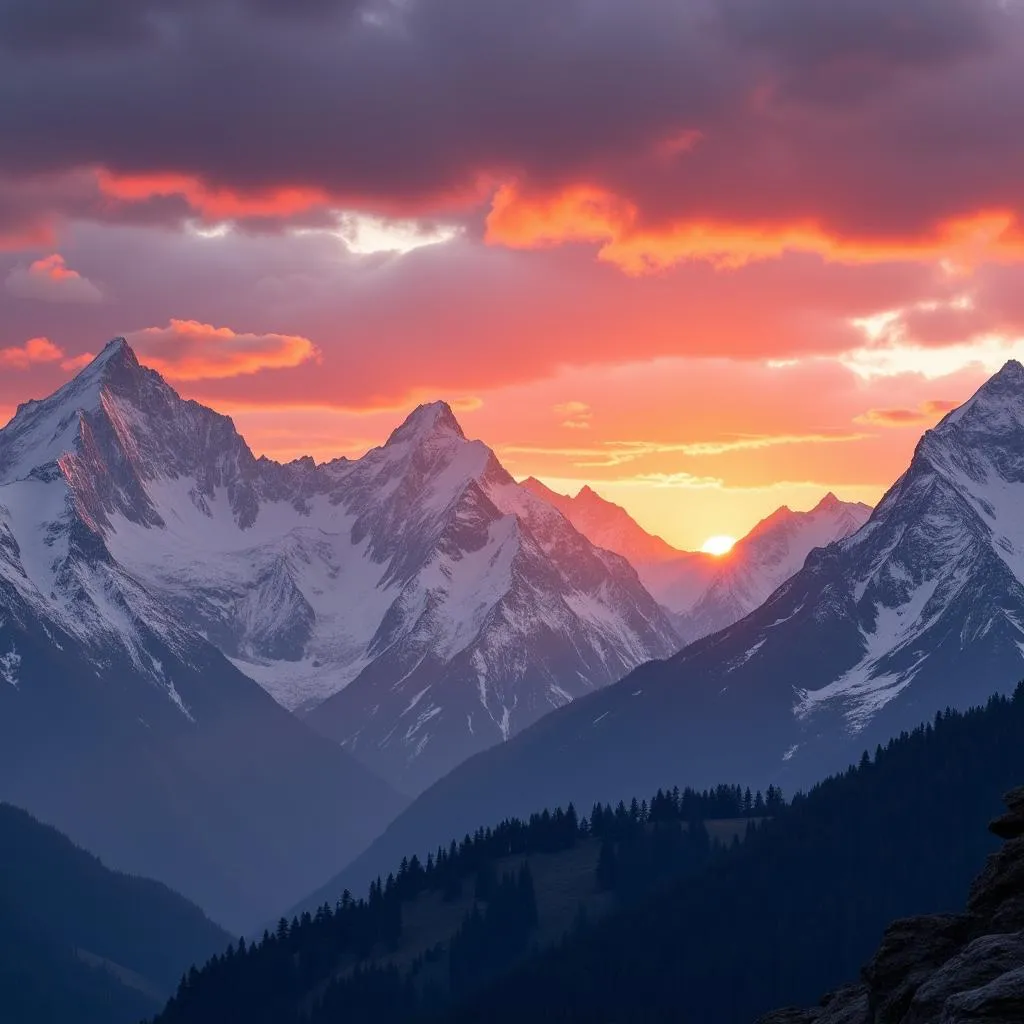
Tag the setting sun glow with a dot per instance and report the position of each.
(718, 546)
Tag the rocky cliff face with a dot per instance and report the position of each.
(946, 968)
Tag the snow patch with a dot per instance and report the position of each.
(176, 699)
(10, 663)
(866, 688)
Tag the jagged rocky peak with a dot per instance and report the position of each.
(540, 490)
(116, 356)
(1007, 383)
(116, 367)
(995, 411)
(433, 419)
(44, 430)
(783, 514)
(963, 968)
(116, 427)
(965, 472)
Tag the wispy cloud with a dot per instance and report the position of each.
(577, 415)
(619, 453)
(686, 481)
(925, 413)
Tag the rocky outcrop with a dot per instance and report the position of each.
(847, 1005)
(946, 968)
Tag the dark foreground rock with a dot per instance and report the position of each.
(946, 968)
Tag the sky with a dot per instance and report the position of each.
(709, 257)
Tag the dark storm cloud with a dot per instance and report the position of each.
(59, 25)
(67, 25)
(809, 33)
(860, 115)
(416, 99)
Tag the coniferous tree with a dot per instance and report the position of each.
(606, 866)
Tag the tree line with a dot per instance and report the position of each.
(292, 972)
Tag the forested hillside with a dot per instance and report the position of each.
(434, 933)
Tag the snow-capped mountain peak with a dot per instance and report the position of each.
(829, 503)
(120, 721)
(998, 405)
(607, 525)
(925, 598)
(432, 419)
(44, 430)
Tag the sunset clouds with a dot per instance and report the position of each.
(761, 242)
(574, 415)
(721, 129)
(185, 350)
(50, 279)
(926, 414)
(34, 351)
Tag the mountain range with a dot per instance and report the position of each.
(488, 609)
(916, 611)
(705, 593)
(416, 605)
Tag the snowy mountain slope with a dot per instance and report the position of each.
(451, 606)
(119, 723)
(921, 609)
(705, 593)
(500, 612)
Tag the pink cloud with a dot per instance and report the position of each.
(32, 353)
(50, 279)
(76, 363)
(927, 413)
(187, 350)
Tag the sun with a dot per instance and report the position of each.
(718, 546)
